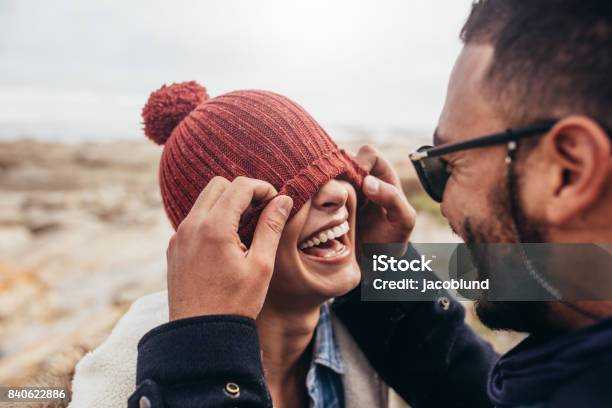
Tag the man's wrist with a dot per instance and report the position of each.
(216, 357)
(186, 347)
(186, 313)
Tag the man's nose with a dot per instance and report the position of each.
(331, 196)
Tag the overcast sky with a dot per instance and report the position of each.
(83, 69)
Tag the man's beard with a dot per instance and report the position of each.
(512, 226)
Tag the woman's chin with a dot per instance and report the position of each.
(337, 283)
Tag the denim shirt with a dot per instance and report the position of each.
(324, 378)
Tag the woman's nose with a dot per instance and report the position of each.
(331, 196)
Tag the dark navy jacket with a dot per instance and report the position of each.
(422, 349)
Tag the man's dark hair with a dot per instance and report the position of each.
(551, 57)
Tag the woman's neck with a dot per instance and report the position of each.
(285, 336)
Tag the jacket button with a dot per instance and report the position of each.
(232, 389)
(144, 402)
(444, 303)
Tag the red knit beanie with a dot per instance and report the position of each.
(251, 133)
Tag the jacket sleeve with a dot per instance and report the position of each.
(207, 361)
(423, 350)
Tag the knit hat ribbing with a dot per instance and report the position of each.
(251, 133)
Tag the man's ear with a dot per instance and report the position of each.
(578, 150)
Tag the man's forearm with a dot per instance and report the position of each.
(211, 361)
(422, 349)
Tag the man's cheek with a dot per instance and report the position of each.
(453, 206)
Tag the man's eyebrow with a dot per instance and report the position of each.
(438, 139)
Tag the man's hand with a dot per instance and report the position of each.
(210, 271)
(388, 217)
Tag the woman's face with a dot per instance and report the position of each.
(316, 255)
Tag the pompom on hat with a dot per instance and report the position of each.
(167, 106)
(252, 133)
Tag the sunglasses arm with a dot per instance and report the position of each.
(416, 156)
(509, 136)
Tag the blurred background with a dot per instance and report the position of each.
(82, 229)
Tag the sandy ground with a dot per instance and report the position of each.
(83, 234)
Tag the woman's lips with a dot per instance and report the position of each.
(326, 250)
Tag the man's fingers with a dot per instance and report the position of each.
(366, 157)
(269, 230)
(238, 197)
(171, 244)
(391, 198)
(209, 196)
(371, 160)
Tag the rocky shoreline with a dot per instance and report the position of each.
(82, 234)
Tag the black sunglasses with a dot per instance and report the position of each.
(431, 168)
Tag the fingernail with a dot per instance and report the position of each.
(371, 184)
(284, 205)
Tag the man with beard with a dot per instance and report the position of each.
(540, 68)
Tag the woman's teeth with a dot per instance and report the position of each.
(326, 235)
